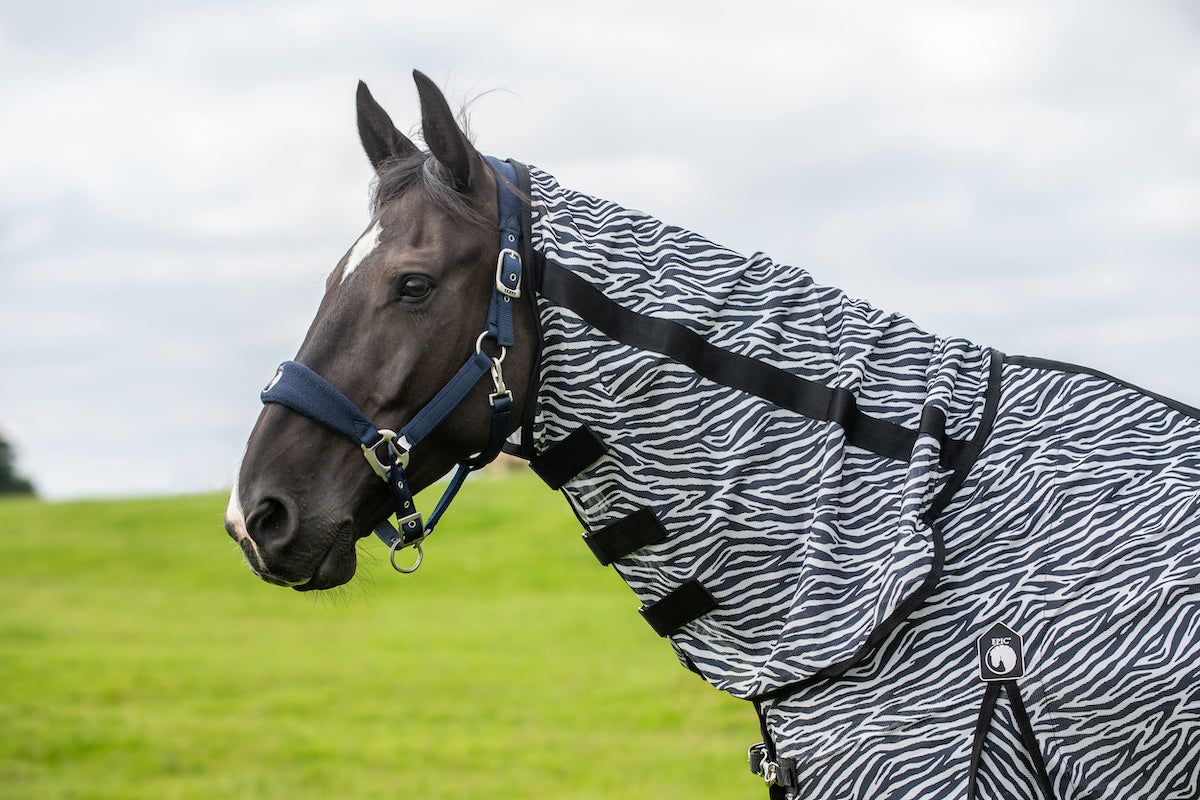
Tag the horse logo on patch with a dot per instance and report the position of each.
(1001, 654)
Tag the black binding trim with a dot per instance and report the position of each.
(1060, 366)
(562, 461)
(986, 711)
(782, 388)
(679, 607)
(626, 536)
(968, 452)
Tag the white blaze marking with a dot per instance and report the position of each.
(365, 245)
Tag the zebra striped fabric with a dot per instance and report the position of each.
(846, 604)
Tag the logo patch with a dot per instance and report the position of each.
(1001, 654)
(275, 380)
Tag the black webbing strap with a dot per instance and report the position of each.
(1028, 739)
(625, 536)
(933, 423)
(783, 389)
(563, 460)
(679, 607)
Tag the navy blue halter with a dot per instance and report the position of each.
(299, 388)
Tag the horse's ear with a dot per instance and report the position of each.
(379, 136)
(446, 140)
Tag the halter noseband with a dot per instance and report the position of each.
(299, 388)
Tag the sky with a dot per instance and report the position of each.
(178, 178)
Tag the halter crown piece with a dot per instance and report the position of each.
(299, 388)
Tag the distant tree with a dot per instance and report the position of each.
(10, 481)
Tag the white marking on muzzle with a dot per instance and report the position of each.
(362, 249)
(234, 515)
(235, 518)
(235, 521)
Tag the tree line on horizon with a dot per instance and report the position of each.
(11, 483)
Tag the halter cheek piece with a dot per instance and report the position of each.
(299, 388)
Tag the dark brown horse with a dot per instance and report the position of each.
(402, 310)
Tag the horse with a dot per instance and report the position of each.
(934, 569)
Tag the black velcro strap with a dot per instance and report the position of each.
(626, 536)
(789, 776)
(690, 601)
(560, 462)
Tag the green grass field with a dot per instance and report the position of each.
(139, 658)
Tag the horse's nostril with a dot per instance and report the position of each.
(269, 522)
(272, 543)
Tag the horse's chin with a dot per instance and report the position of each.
(337, 567)
(339, 562)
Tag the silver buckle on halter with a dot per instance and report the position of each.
(501, 287)
(397, 445)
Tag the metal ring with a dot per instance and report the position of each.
(479, 348)
(406, 570)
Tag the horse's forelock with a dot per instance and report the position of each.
(424, 173)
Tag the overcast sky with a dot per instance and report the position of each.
(179, 177)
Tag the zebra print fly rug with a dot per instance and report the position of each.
(830, 512)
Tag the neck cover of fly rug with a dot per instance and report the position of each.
(807, 547)
(841, 517)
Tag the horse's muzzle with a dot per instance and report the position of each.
(278, 552)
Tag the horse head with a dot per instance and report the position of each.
(402, 311)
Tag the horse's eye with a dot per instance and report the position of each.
(413, 288)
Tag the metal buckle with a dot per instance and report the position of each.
(515, 277)
(398, 447)
(378, 467)
(401, 522)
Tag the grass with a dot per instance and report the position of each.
(140, 659)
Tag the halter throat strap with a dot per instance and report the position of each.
(299, 388)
